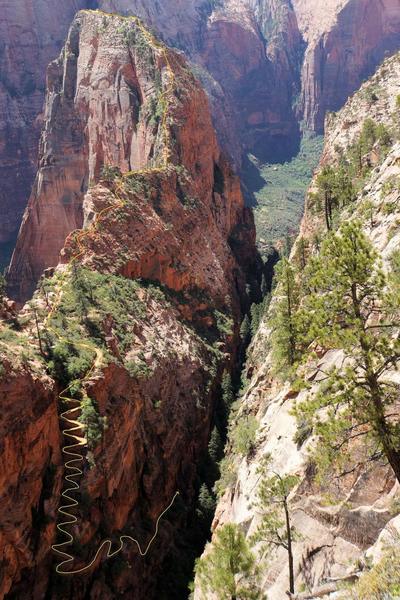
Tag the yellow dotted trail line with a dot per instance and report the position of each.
(74, 430)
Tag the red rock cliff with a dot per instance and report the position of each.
(161, 262)
(266, 65)
(32, 33)
(30, 473)
(354, 38)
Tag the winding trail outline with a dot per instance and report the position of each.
(75, 430)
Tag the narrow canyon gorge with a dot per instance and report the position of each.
(200, 396)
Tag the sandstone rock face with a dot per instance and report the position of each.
(100, 110)
(268, 60)
(247, 56)
(32, 33)
(30, 479)
(266, 65)
(166, 228)
(357, 36)
(335, 536)
(252, 50)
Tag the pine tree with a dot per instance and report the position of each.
(264, 286)
(228, 395)
(285, 334)
(93, 422)
(215, 446)
(228, 570)
(205, 505)
(353, 306)
(245, 330)
(256, 311)
(326, 186)
(275, 529)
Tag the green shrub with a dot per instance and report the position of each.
(138, 370)
(93, 422)
(243, 435)
(382, 581)
(228, 475)
(110, 173)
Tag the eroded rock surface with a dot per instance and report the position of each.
(349, 518)
(143, 311)
(32, 33)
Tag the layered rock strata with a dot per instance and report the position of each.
(32, 33)
(142, 314)
(341, 524)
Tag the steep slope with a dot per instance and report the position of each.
(130, 334)
(338, 521)
(345, 43)
(269, 67)
(88, 95)
(32, 33)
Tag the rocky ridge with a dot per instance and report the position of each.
(337, 534)
(32, 33)
(137, 322)
(295, 63)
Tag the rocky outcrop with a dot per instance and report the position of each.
(143, 311)
(99, 112)
(340, 523)
(31, 472)
(32, 33)
(356, 37)
(295, 63)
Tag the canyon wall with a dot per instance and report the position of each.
(357, 37)
(139, 319)
(267, 66)
(339, 524)
(101, 109)
(32, 33)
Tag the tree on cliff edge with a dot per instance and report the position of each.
(228, 570)
(272, 503)
(285, 331)
(354, 306)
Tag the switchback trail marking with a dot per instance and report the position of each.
(74, 430)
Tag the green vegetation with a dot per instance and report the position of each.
(337, 186)
(229, 569)
(286, 336)
(279, 191)
(382, 582)
(93, 422)
(206, 504)
(272, 502)
(242, 435)
(351, 304)
(88, 298)
(110, 173)
(228, 475)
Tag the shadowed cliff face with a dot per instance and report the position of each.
(266, 65)
(358, 37)
(32, 33)
(142, 314)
